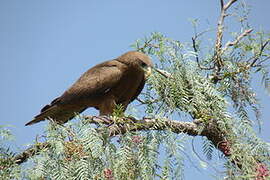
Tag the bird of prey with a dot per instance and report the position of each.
(111, 83)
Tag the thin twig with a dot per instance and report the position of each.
(262, 61)
(196, 54)
(147, 44)
(221, 4)
(149, 102)
(194, 45)
(141, 101)
(257, 57)
(164, 73)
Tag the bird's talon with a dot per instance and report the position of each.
(106, 119)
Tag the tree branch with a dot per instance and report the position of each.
(227, 6)
(190, 128)
(221, 4)
(220, 27)
(31, 151)
(237, 40)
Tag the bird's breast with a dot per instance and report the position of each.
(128, 86)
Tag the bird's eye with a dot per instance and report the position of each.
(143, 64)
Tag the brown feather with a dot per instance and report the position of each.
(118, 81)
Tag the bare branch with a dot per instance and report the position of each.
(227, 6)
(237, 40)
(221, 4)
(220, 27)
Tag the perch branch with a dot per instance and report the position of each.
(189, 128)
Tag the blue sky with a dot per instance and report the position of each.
(46, 45)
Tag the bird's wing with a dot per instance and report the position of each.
(139, 90)
(95, 82)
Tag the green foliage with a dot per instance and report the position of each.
(193, 92)
(197, 91)
(78, 151)
(208, 148)
(8, 169)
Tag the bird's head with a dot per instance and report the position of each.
(138, 60)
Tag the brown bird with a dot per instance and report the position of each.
(104, 86)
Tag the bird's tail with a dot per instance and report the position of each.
(46, 114)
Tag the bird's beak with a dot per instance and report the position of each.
(147, 72)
